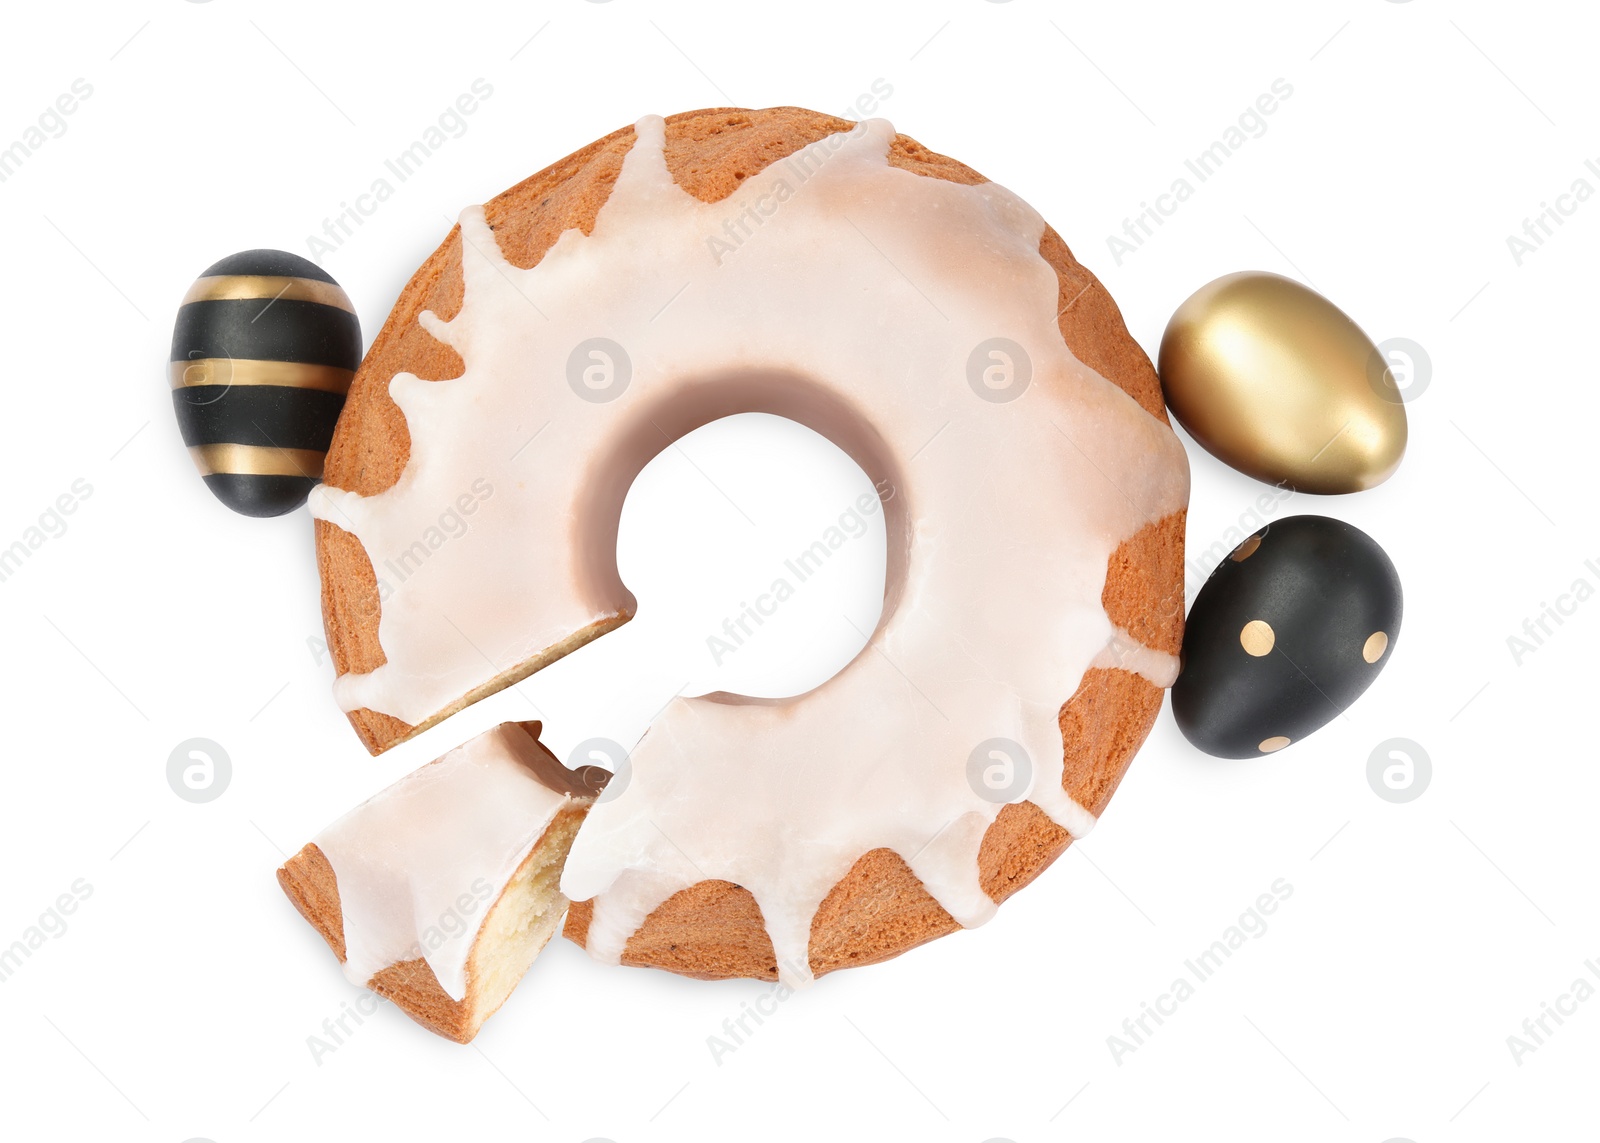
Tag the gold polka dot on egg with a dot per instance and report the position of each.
(1276, 381)
(1245, 550)
(1257, 637)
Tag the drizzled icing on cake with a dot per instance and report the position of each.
(862, 300)
(420, 864)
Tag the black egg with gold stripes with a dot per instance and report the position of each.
(263, 352)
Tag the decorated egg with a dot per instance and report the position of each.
(1275, 380)
(263, 350)
(1289, 630)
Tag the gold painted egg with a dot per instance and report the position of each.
(1276, 381)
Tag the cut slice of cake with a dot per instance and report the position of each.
(439, 892)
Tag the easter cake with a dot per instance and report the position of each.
(929, 323)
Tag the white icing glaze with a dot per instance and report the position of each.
(420, 864)
(848, 295)
(1160, 668)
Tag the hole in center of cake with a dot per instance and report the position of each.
(756, 549)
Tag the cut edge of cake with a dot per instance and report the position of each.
(527, 912)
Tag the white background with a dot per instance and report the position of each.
(179, 1000)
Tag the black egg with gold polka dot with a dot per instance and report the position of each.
(263, 351)
(1286, 633)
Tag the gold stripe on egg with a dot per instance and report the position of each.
(287, 374)
(256, 460)
(243, 287)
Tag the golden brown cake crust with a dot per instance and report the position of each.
(308, 880)
(880, 908)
